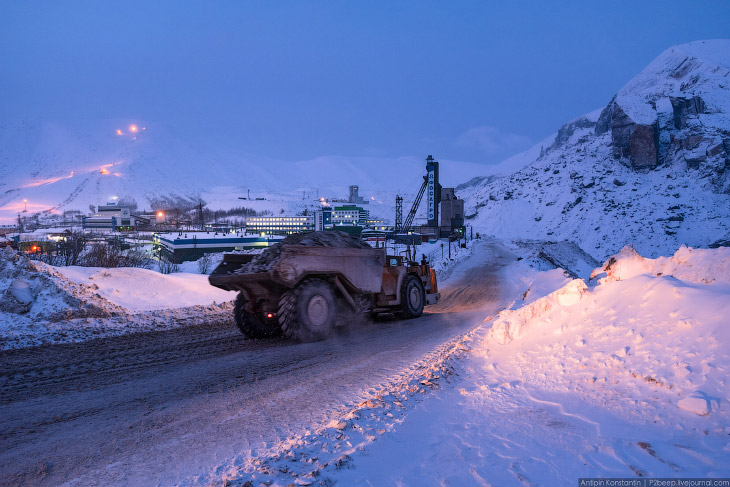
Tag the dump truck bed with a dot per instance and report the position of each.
(359, 269)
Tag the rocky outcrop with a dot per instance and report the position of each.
(567, 130)
(684, 108)
(631, 141)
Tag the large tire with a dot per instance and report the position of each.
(251, 325)
(413, 297)
(307, 313)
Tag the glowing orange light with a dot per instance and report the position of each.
(133, 128)
(103, 170)
(159, 214)
(119, 132)
(34, 249)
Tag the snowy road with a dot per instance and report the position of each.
(160, 408)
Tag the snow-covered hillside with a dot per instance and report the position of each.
(71, 165)
(650, 169)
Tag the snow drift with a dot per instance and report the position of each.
(43, 304)
(705, 266)
(661, 323)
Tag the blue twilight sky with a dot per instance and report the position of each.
(475, 81)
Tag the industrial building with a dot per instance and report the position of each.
(153, 219)
(349, 215)
(111, 217)
(452, 210)
(355, 197)
(280, 225)
(187, 246)
(40, 240)
(377, 224)
(348, 218)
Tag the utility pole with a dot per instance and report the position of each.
(449, 249)
(471, 232)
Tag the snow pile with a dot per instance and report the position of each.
(514, 324)
(654, 326)
(138, 290)
(43, 304)
(35, 291)
(688, 264)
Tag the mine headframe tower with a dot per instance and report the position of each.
(430, 183)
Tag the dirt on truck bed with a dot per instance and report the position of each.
(266, 260)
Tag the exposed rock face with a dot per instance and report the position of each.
(637, 143)
(684, 108)
(604, 120)
(643, 147)
(567, 130)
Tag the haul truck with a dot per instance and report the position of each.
(301, 290)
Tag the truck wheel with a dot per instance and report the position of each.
(251, 325)
(308, 312)
(412, 297)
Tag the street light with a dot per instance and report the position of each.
(25, 207)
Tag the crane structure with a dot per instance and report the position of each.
(412, 214)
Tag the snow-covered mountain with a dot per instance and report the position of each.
(650, 169)
(71, 165)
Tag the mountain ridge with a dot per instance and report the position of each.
(652, 169)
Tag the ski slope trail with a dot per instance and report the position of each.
(165, 407)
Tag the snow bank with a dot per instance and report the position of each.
(41, 304)
(36, 291)
(692, 265)
(514, 324)
(139, 290)
(648, 325)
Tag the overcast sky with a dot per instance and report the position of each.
(474, 81)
